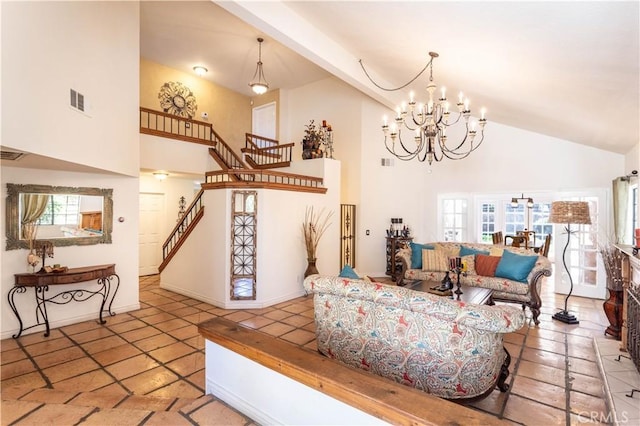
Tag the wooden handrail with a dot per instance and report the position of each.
(251, 137)
(259, 178)
(378, 396)
(183, 228)
(162, 124)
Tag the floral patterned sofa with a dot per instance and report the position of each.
(432, 343)
(525, 290)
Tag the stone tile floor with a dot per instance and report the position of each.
(146, 367)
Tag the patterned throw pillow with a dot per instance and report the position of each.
(486, 265)
(496, 251)
(434, 261)
(469, 264)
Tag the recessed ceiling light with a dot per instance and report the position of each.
(200, 70)
(161, 175)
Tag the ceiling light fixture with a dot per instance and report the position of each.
(429, 123)
(161, 175)
(258, 83)
(200, 70)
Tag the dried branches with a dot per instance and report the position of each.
(612, 259)
(313, 227)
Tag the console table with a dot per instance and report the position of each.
(106, 277)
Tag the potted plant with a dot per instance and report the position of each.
(612, 259)
(312, 142)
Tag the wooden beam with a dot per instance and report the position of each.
(376, 395)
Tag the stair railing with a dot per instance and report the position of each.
(226, 154)
(161, 124)
(262, 153)
(183, 228)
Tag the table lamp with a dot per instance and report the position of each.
(568, 212)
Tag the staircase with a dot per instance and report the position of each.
(52, 406)
(261, 155)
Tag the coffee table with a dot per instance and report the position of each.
(475, 295)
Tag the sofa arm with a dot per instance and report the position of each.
(404, 257)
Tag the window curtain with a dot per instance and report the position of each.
(620, 209)
(33, 205)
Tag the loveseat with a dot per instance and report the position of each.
(433, 343)
(514, 274)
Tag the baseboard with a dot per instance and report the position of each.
(53, 324)
(240, 404)
(234, 304)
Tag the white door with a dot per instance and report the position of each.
(582, 255)
(263, 119)
(149, 234)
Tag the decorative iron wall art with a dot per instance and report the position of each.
(176, 98)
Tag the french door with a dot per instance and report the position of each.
(582, 255)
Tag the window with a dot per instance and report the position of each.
(487, 221)
(454, 219)
(61, 210)
(243, 245)
(634, 213)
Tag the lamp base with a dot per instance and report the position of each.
(566, 317)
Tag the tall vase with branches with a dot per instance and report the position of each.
(313, 227)
(612, 260)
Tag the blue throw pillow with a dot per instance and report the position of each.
(467, 251)
(416, 254)
(348, 272)
(515, 266)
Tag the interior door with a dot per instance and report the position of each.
(263, 120)
(149, 234)
(582, 256)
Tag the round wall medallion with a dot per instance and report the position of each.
(178, 99)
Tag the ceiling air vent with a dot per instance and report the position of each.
(11, 156)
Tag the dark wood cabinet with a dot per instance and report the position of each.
(394, 244)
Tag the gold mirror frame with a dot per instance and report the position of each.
(13, 207)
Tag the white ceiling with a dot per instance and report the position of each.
(564, 69)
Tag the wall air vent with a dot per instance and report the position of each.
(77, 100)
(11, 156)
(386, 162)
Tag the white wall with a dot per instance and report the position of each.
(93, 47)
(201, 268)
(49, 48)
(174, 156)
(123, 251)
(340, 105)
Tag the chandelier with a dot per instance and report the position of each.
(428, 124)
(258, 83)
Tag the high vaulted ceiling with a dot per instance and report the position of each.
(565, 69)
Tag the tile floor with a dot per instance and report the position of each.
(147, 366)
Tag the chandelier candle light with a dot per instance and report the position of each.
(429, 123)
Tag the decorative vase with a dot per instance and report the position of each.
(32, 260)
(613, 311)
(311, 268)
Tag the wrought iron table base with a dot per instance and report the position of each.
(62, 298)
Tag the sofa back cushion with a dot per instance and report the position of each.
(416, 254)
(486, 265)
(434, 260)
(466, 251)
(515, 266)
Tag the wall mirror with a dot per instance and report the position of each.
(66, 216)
